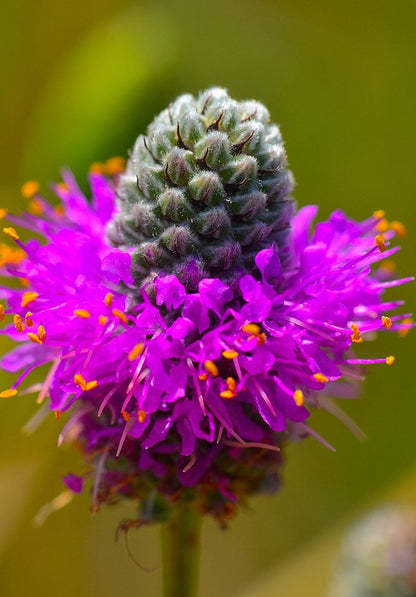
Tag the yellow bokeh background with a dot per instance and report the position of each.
(79, 82)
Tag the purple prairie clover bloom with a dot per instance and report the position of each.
(175, 381)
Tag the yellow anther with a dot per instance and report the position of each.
(8, 393)
(299, 398)
(228, 394)
(321, 378)
(83, 313)
(34, 338)
(212, 368)
(41, 332)
(102, 320)
(379, 214)
(136, 351)
(36, 207)
(379, 240)
(115, 165)
(390, 360)
(1, 312)
(230, 354)
(126, 415)
(261, 339)
(109, 299)
(84, 385)
(231, 383)
(399, 228)
(251, 328)
(97, 168)
(90, 385)
(356, 334)
(28, 319)
(203, 377)
(141, 416)
(28, 297)
(386, 321)
(18, 323)
(11, 232)
(80, 381)
(3, 213)
(30, 188)
(404, 331)
(382, 225)
(120, 315)
(58, 414)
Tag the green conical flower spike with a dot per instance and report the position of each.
(204, 190)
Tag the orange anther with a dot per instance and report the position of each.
(18, 323)
(252, 329)
(83, 313)
(298, 397)
(379, 214)
(390, 360)
(30, 188)
(3, 213)
(386, 321)
(136, 351)
(212, 368)
(120, 315)
(58, 414)
(8, 393)
(126, 415)
(1, 312)
(229, 354)
(41, 332)
(228, 394)
(11, 232)
(321, 378)
(102, 320)
(34, 338)
(399, 228)
(28, 297)
(109, 299)
(141, 416)
(115, 165)
(231, 383)
(379, 240)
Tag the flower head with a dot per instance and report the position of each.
(175, 382)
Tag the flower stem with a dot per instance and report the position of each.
(181, 551)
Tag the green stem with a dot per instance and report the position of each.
(181, 551)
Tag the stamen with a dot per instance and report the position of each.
(83, 313)
(356, 334)
(228, 394)
(230, 354)
(299, 397)
(120, 315)
(379, 214)
(8, 393)
(28, 319)
(126, 415)
(386, 321)
(141, 416)
(399, 228)
(109, 299)
(405, 330)
(1, 312)
(212, 368)
(203, 377)
(390, 360)
(29, 189)
(252, 329)
(135, 352)
(34, 338)
(97, 168)
(261, 339)
(28, 297)
(102, 320)
(18, 323)
(115, 165)
(231, 383)
(190, 464)
(58, 414)
(83, 384)
(41, 332)
(11, 232)
(321, 378)
(379, 240)
(3, 213)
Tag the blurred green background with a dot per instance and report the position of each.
(80, 80)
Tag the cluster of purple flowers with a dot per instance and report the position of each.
(188, 389)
